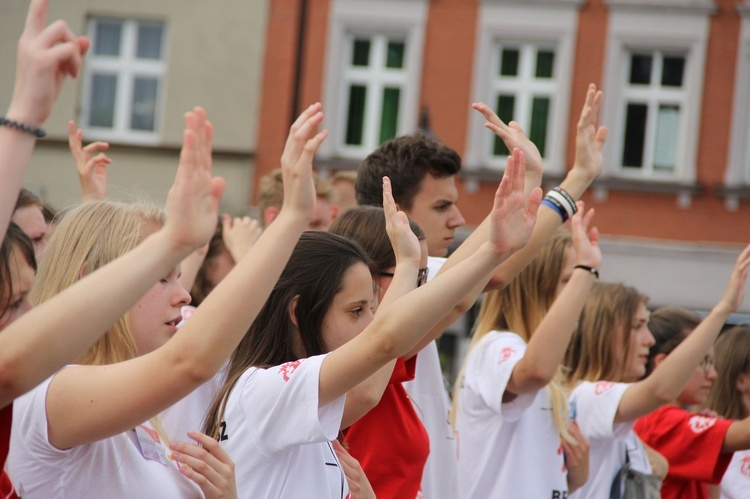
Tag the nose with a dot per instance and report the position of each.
(181, 296)
(711, 374)
(456, 220)
(648, 338)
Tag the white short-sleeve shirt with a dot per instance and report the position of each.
(595, 406)
(511, 449)
(113, 467)
(736, 481)
(279, 439)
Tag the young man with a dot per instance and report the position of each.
(271, 197)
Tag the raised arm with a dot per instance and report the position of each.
(46, 56)
(670, 377)
(87, 403)
(91, 169)
(550, 339)
(62, 328)
(398, 327)
(587, 166)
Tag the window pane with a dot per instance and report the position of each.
(509, 62)
(108, 34)
(149, 41)
(635, 133)
(361, 56)
(665, 147)
(640, 69)
(144, 104)
(672, 73)
(356, 114)
(395, 58)
(539, 119)
(103, 90)
(504, 110)
(545, 60)
(391, 97)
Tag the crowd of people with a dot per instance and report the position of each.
(150, 351)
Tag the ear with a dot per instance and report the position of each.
(743, 383)
(334, 209)
(292, 309)
(270, 215)
(658, 359)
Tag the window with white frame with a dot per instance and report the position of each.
(124, 80)
(653, 99)
(521, 71)
(524, 89)
(374, 81)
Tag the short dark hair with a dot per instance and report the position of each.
(14, 238)
(405, 160)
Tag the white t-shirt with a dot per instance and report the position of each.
(511, 449)
(127, 465)
(279, 439)
(594, 405)
(736, 481)
(427, 392)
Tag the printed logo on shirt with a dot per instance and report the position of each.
(506, 353)
(603, 387)
(745, 466)
(559, 494)
(699, 424)
(288, 369)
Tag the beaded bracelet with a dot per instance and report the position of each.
(36, 132)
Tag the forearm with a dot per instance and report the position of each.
(190, 267)
(53, 334)
(16, 148)
(737, 437)
(365, 396)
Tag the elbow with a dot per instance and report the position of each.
(10, 385)
(663, 395)
(531, 379)
(192, 369)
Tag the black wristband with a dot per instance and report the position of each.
(36, 132)
(588, 269)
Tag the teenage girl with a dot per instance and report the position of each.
(316, 340)
(98, 411)
(508, 398)
(393, 466)
(730, 397)
(608, 355)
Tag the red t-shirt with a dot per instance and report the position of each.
(692, 445)
(6, 419)
(390, 441)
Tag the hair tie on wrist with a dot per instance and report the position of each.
(588, 269)
(36, 132)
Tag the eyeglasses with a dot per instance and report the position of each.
(421, 277)
(707, 364)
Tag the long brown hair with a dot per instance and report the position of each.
(314, 275)
(732, 354)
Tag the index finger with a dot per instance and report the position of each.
(211, 446)
(36, 18)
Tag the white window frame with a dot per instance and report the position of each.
(738, 170)
(545, 24)
(348, 18)
(673, 27)
(126, 67)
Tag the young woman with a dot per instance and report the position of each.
(316, 340)
(508, 398)
(699, 446)
(730, 397)
(98, 411)
(393, 466)
(609, 353)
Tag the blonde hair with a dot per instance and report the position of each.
(271, 192)
(87, 238)
(520, 308)
(601, 343)
(732, 354)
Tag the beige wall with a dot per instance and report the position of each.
(214, 58)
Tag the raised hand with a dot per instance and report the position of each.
(590, 137)
(405, 243)
(239, 235)
(92, 170)
(585, 240)
(514, 138)
(735, 292)
(193, 201)
(207, 464)
(46, 56)
(296, 162)
(512, 218)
